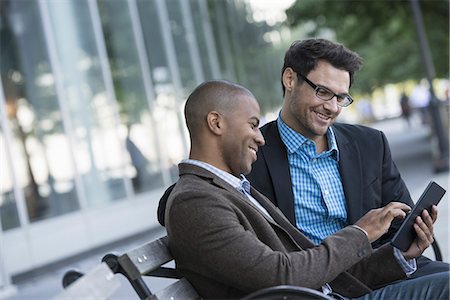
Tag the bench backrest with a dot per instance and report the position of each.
(149, 260)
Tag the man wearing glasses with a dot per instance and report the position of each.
(321, 174)
(324, 175)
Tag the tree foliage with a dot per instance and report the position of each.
(382, 32)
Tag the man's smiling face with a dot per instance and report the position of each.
(304, 111)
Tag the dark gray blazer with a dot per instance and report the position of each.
(369, 175)
(227, 248)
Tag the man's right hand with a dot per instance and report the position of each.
(377, 221)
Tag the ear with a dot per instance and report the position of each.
(289, 79)
(215, 122)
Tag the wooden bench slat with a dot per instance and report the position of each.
(144, 259)
(148, 260)
(181, 290)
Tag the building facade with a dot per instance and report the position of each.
(91, 108)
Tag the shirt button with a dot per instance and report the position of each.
(313, 160)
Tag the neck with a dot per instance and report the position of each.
(321, 144)
(211, 157)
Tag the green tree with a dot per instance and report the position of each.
(252, 60)
(382, 32)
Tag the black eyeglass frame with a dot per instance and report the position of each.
(346, 98)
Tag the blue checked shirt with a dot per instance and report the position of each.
(319, 200)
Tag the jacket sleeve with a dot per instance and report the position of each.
(214, 239)
(378, 269)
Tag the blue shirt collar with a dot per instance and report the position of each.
(294, 140)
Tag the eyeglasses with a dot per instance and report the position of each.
(326, 94)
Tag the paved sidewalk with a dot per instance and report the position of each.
(411, 152)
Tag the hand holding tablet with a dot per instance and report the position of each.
(406, 233)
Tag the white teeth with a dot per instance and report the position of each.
(322, 116)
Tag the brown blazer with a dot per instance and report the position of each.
(227, 248)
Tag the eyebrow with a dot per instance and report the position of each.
(331, 90)
(256, 119)
(312, 84)
(324, 86)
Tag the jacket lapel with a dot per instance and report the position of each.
(278, 165)
(351, 173)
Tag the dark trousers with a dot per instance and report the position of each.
(425, 266)
(434, 286)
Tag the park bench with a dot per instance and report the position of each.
(152, 259)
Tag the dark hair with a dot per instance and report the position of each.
(302, 57)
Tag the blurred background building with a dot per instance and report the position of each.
(91, 107)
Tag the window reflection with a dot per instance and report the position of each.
(143, 159)
(167, 109)
(8, 208)
(198, 19)
(46, 179)
(98, 148)
(179, 35)
(76, 141)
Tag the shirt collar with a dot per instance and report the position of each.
(333, 147)
(294, 140)
(227, 177)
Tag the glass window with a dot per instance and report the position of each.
(179, 36)
(138, 129)
(219, 11)
(98, 150)
(168, 109)
(41, 154)
(8, 207)
(198, 19)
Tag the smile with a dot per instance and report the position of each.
(322, 116)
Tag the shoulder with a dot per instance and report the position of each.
(189, 185)
(196, 191)
(367, 139)
(196, 204)
(269, 128)
(352, 131)
(271, 135)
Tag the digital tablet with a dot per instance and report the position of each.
(406, 233)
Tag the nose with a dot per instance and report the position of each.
(259, 138)
(332, 105)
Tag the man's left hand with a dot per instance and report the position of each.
(424, 230)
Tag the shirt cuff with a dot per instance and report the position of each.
(408, 266)
(365, 232)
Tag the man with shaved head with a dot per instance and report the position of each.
(220, 103)
(229, 240)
